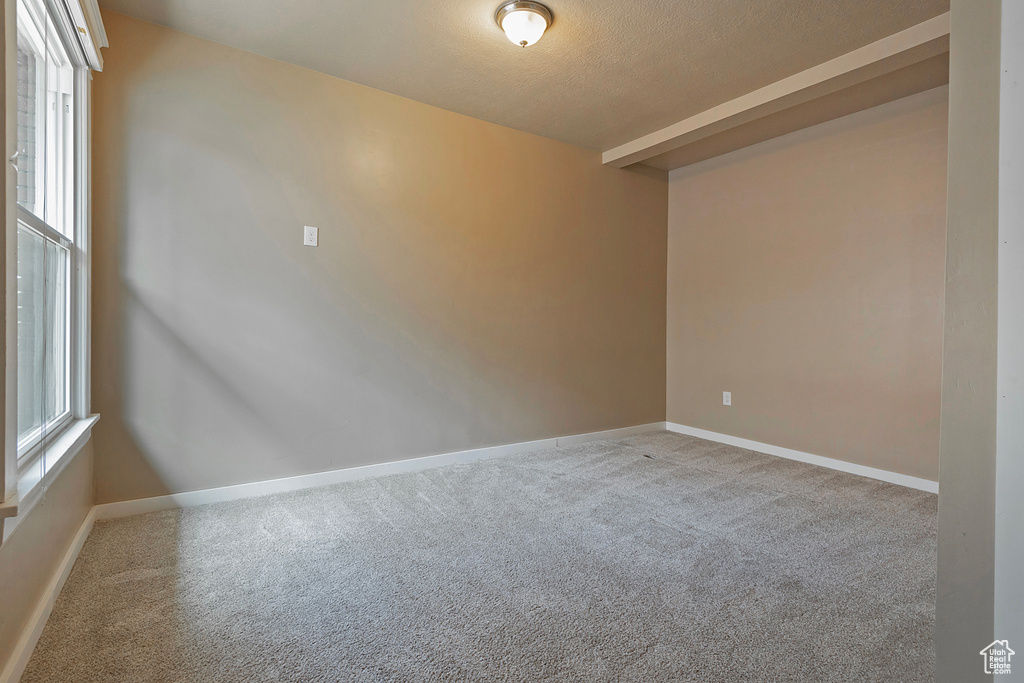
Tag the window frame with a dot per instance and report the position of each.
(28, 471)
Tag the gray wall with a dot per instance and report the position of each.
(1009, 536)
(806, 277)
(34, 550)
(964, 595)
(474, 285)
(29, 558)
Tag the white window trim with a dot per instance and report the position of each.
(23, 484)
(34, 482)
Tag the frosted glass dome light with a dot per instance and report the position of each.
(523, 22)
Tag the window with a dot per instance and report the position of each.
(58, 43)
(46, 150)
(46, 227)
(54, 54)
(43, 348)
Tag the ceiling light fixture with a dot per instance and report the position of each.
(523, 22)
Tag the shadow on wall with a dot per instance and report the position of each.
(473, 285)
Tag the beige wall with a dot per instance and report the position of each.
(474, 285)
(32, 554)
(806, 277)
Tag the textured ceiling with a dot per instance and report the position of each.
(606, 72)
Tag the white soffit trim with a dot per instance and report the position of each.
(85, 14)
(800, 456)
(30, 636)
(91, 9)
(910, 46)
(306, 481)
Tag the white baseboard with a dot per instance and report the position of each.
(30, 636)
(264, 488)
(820, 460)
(610, 434)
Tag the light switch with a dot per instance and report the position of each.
(726, 398)
(310, 236)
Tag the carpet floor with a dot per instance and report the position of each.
(652, 558)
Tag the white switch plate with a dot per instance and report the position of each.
(726, 398)
(310, 236)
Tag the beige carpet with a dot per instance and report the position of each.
(653, 558)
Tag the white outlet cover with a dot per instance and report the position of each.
(310, 236)
(726, 398)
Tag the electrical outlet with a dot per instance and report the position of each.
(726, 398)
(310, 236)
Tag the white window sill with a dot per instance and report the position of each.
(37, 478)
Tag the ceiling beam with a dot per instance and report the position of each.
(898, 51)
